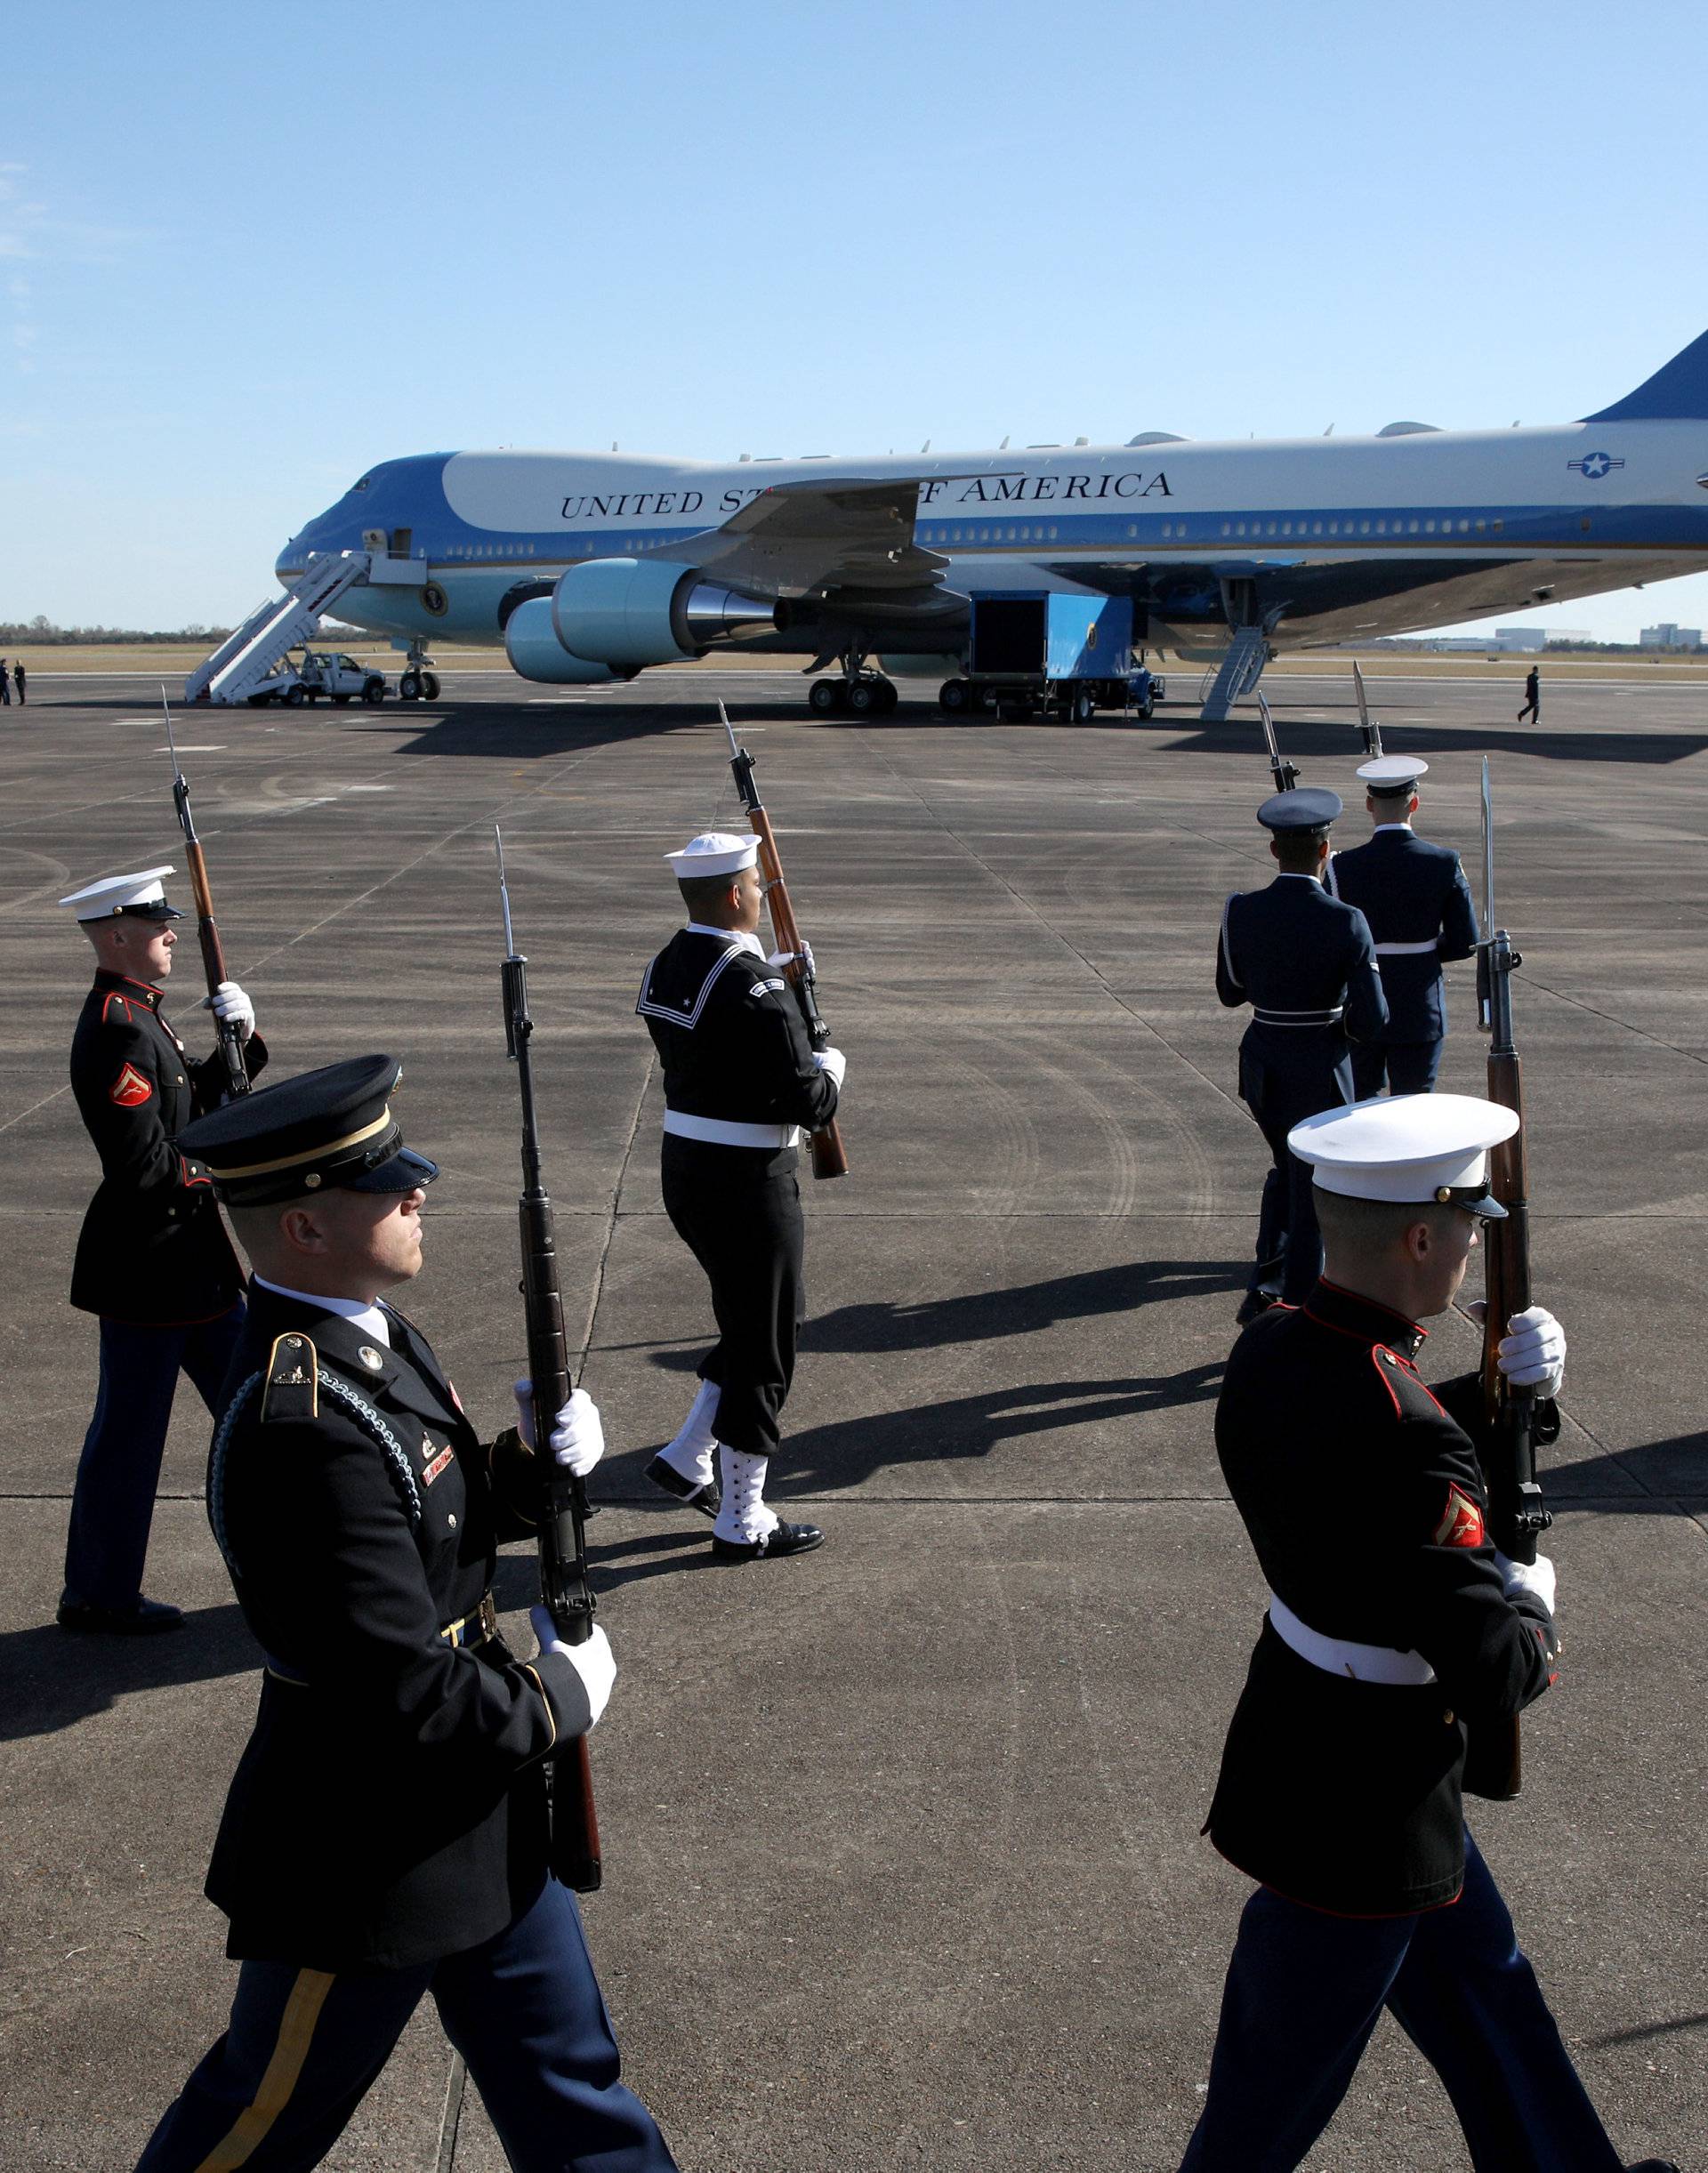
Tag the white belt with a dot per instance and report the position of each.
(1407, 950)
(1266, 1015)
(1364, 1664)
(719, 1131)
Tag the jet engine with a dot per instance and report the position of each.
(641, 611)
(534, 651)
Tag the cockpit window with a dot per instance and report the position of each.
(363, 485)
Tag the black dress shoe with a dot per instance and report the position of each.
(786, 1538)
(669, 1480)
(145, 1618)
(1654, 2165)
(1250, 1306)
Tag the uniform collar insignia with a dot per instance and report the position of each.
(1354, 1315)
(138, 992)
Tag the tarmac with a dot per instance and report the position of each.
(903, 1865)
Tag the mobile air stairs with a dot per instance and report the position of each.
(1238, 673)
(249, 657)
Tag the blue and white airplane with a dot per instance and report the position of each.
(589, 566)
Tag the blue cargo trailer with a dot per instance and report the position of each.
(1068, 652)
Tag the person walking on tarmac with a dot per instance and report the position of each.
(153, 1260)
(1532, 695)
(1416, 899)
(1306, 964)
(18, 680)
(741, 1080)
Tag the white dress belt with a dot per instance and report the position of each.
(1407, 950)
(1364, 1663)
(720, 1131)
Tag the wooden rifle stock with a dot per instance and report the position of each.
(564, 1589)
(829, 1156)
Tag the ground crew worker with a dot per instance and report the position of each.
(386, 1835)
(1532, 695)
(741, 1080)
(1417, 902)
(1393, 1626)
(1305, 963)
(153, 1259)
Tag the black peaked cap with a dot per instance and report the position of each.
(328, 1128)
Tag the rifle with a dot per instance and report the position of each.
(564, 1587)
(829, 1156)
(1367, 724)
(1517, 1518)
(1285, 774)
(207, 933)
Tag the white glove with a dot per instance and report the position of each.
(577, 1439)
(1536, 1578)
(228, 1001)
(1533, 1355)
(834, 1062)
(594, 1662)
(779, 958)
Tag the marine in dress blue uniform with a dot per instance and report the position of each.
(1418, 904)
(153, 1259)
(385, 1837)
(1393, 1627)
(1305, 962)
(741, 1084)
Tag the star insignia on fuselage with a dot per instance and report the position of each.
(1593, 466)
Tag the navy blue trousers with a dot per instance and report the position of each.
(524, 2010)
(112, 1504)
(1404, 1068)
(1304, 1991)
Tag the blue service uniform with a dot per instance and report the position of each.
(1343, 1778)
(386, 1838)
(1418, 904)
(1306, 964)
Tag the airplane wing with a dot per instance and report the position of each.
(809, 538)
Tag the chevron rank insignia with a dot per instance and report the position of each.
(292, 1389)
(1461, 1521)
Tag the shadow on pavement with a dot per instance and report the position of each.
(1314, 741)
(50, 1680)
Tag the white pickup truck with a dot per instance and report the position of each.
(321, 675)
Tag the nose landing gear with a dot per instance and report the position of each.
(416, 682)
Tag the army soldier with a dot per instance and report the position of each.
(741, 1080)
(1393, 1625)
(386, 1836)
(1306, 965)
(153, 1259)
(1416, 899)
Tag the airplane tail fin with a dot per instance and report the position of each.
(1677, 391)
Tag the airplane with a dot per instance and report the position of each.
(591, 567)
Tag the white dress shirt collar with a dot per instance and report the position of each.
(741, 941)
(1382, 826)
(368, 1318)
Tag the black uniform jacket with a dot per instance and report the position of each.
(1306, 964)
(153, 1250)
(1410, 892)
(1361, 1490)
(730, 1037)
(390, 1807)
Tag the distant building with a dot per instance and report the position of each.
(1522, 639)
(1667, 635)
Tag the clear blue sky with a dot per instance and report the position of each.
(247, 252)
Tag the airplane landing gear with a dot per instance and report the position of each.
(416, 683)
(859, 693)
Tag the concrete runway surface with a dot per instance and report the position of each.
(903, 1865)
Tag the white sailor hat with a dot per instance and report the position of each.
(715, 852)
(1408, 1149)
(142, 895)
(1391, 774)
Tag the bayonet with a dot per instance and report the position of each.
(1367, 725)
(1285, 774)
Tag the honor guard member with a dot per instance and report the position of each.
(386, 1835)
(1416, 899)
(741, 1080)
(1393, 1626)
(1305, 963)
(153, 1259)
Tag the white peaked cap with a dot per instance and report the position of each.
(1405, 1147)
(715, 852)
(120, 893)
(1391, 773)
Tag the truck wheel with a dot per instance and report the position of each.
(824, 696)
(954, 697)
(982, 702)
(1147, 711)
(409, 688)
(295, 697)
(429, 686)
(374, 693)
(1085, 705)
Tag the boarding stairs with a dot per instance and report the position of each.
(1239, 673)
(250, 656)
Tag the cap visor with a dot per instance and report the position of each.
(405, 1173)
(1488, 1209)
